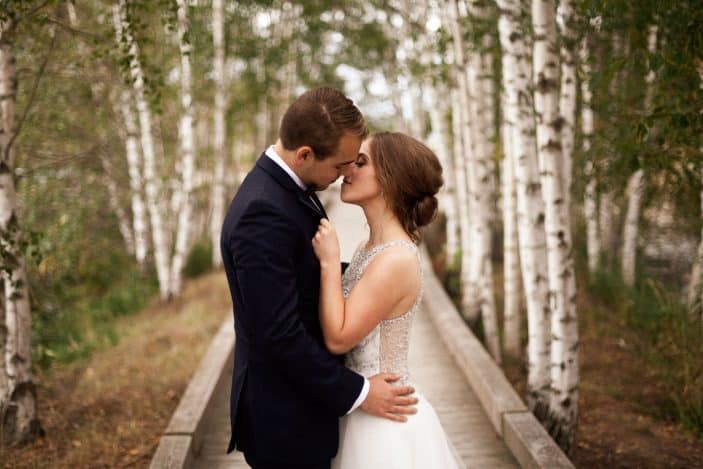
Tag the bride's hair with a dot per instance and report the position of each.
(410, 175)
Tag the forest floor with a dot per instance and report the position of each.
(619, 400)
(111, 409)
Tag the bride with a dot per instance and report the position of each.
(367, 312)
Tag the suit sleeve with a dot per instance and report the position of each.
(263, 249)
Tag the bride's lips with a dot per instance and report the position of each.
(346, 181)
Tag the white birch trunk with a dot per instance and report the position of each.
(187, 149)
(134, 166)
(567, 97)
(695, 287)
(470, 300)
(511, 259)
(480, 174)
(635, 185)
(218, 187)
(460, 183)
(134, 231)
(447, 201)
(563, 412)
(635, 190)
(590, 202)
(123, 222)
(161, 256)
(517, 82)
(606, 206)
(18, 408)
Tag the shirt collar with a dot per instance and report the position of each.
(271, 153)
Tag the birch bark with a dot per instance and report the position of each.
(695, 288)
(607, 207)
(123, 222)
(134, 231)
(511, 259)
(517, 84)
(134, 166)
(469, 298)
(18, 408)
(563, 409)
(567, 97)
(481, 196)
(590, 203)
(438, 118)
(635, 185)
(161, 256)
(218, 187)
(460, 183)
(187, 150)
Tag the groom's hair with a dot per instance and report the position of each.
(319, 118)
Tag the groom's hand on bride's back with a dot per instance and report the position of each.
(387, 400)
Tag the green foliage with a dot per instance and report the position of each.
(199, 259)
(68, 325)
(667, 338)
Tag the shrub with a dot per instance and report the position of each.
(199, 259)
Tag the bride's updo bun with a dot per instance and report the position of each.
(410, 175)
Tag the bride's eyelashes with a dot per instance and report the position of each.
(361, 161)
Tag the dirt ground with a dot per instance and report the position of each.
(110, 410)
(618, 394)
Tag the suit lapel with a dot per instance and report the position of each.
(268, 165)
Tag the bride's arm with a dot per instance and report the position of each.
(386, 286)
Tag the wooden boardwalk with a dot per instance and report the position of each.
(432, 370)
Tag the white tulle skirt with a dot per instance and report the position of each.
(370, 442)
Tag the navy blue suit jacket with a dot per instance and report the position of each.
(288, 391)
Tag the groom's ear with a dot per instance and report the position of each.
(303, 154)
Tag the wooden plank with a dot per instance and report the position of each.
(531, 444)
(174, 452)
(486, 379)
(188, 417)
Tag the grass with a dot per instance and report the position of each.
(110, 408)
(664, 336)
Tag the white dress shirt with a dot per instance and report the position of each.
(271, 153)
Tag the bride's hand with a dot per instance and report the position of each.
(325, 243)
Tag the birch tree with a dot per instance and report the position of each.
(218, 74)
(563, 409)
(161, 252)
(635, 185)
(134, 231)
(469, 299)
(186, 137)
(18, 408)
(440, 134)
(519, 113)
(590, 202)
(481, 187)
(134, 167)
(511, 260)
(113, 197)
(695, 287)
(606, 205)
(567, 97)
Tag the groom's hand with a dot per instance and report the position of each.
(388, 401)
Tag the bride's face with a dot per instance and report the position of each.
(360, 183)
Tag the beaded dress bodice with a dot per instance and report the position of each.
(385, 348)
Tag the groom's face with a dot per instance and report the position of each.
(319, 174)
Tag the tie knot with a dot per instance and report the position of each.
(309, 192)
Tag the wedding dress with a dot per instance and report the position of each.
(369, 442)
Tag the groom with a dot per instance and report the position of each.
(288, 391)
